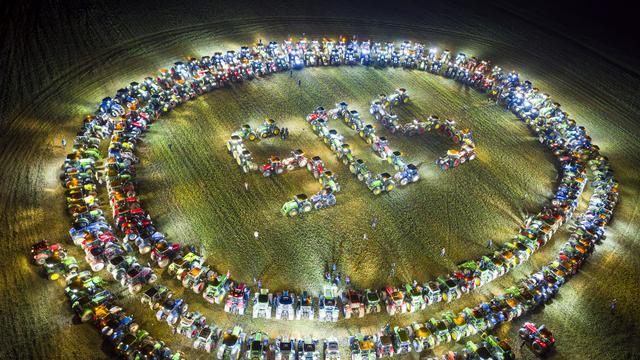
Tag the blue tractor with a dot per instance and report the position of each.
(408, 174)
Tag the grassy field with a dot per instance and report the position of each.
(196, 191)
(61, 76)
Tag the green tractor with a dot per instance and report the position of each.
(55, 266)
(379, 183)
(360, 169)
(299, 204)
(246, 132)
(328, 179)
(268, 129)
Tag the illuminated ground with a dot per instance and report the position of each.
(579, 317)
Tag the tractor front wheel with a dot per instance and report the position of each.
(377, 191)
(307, 208)
(293, 213)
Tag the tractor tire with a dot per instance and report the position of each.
(307, 208)
(266, 173)
(537, 348)
(523, 333)
(264, 135)
(290, 167)
(404, 181)
(415, 178)
(303, 163)
(377, 191)
(319, 205)
(144, 249)
(352, 168)
(293, 213)
(163, 263)
(97, 266)
(360, 177)
(54, 276)
(331, 201)
(389, 188)
(345, 161)
(134, 289)
(153, 278)
(245, 169)
(40, 260)
(276, 131)
(86, 316)
(252, 137)
(198, 288)
(369, 141)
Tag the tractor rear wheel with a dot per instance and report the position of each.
(537, 348)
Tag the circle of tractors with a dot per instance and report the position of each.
(125, 118)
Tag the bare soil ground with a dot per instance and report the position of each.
(55, 77)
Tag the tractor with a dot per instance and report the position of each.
(328, 179)
(164, 252)
(273, 166)
(408, 174)
(423, 338)
(331, 349)
(237, 300)
(284, 304)
(384, 344)
(262, 303)
(156, 295)
(368, 134)
(345, 154)
(381, 147)
(41, 251)
(171, 310)
(316, 166)
(353, 304)
(207, 338)
(308, 349)
(415, 298)
(230, 347)
(402, 340)
(305, 307)
(395, 300)
(328, 308)
(360, 169)
(299, 205)
(362, 347)
(539, 338)
(324, 198)
(395, 159)
(257, 346)
(379, 183)
(284, 349)
(297, 159)
(191, 322)
(268, 129)
(372, 301)
(217, 286)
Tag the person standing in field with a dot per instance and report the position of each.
(256, 234)
(246, 186)
(64, 144)
(442, 252)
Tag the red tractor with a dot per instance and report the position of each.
(274, 166)
(539, 339)
(41, 251)
(316, 166)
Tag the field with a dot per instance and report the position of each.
(196, 192)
